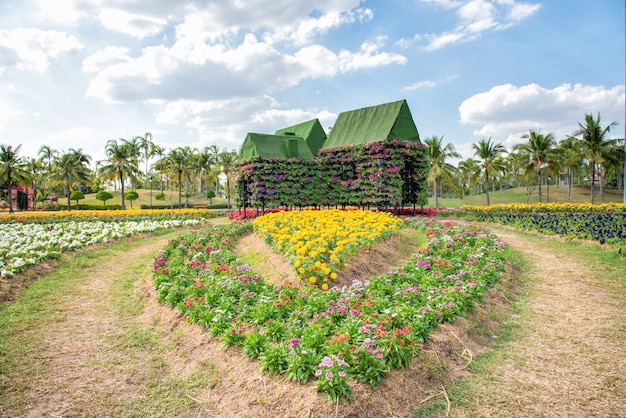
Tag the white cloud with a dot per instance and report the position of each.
(421, 84)
(229, 120)
(134, 24)
(197, 71)
(109, 56)
(430, 83)
(34, 49)
(509, 111)
(448, 4)
(61, 11)
(305, 31)
(7, 113)
(278, 20)
(475, 17)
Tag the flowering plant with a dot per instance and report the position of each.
(387, 173)
(332, 376)
(604, 223)
(317, 243)
(362, 330)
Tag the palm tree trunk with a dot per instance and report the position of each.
(539, 182)
(593, 176)
(180, 189)
(69, 202)
(122, 187)
(186, 191)
(601, 182)
(228, 190)
(436, 196)
(569, 183)
(487, 184)
(10, 183)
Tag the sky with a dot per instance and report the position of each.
(78, 73)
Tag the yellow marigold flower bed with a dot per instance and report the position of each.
(95, 214)
(548, 207)
(317, 242)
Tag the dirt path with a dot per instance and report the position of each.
(73, 368)
(570, 361)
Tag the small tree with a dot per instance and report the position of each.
(77, 195)
(130, 196)
(159, 196)
(210, 195)
(103, 195)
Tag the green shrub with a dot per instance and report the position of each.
(77, 195)
(130, 196)
(103, 196)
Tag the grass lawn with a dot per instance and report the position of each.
(579, 194)
(171, 198)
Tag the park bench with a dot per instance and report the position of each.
(200, 206)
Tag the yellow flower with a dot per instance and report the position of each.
(324, 286)
(313, 238)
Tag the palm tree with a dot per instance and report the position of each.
(147, 147)
(71, 167)
(487, 151)
(227, 160)
(437, 154)
(501, 168)
(470, 170)
(517, 163)
(570, 158)
(539, 147)
(205, 160)
(120, 163)
(34, 168)
(593, 144)
(178, 161)
(215, 153)
(12, 167)
(47, 154)
(160, 151)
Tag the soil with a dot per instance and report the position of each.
(560, 367)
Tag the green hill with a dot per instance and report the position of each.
(579, 194)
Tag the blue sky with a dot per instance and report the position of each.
(77, 73)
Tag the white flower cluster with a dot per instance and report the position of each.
(22, 245)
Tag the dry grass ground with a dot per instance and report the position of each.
(569, 359)
(103, 346)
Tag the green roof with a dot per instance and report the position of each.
(311, 131)
(274, 146)
(385, 121)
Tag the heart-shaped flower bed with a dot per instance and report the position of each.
(355, 332)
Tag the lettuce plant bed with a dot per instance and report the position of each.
(334, 337)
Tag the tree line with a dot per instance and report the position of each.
(586, 153)
(60, 171)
